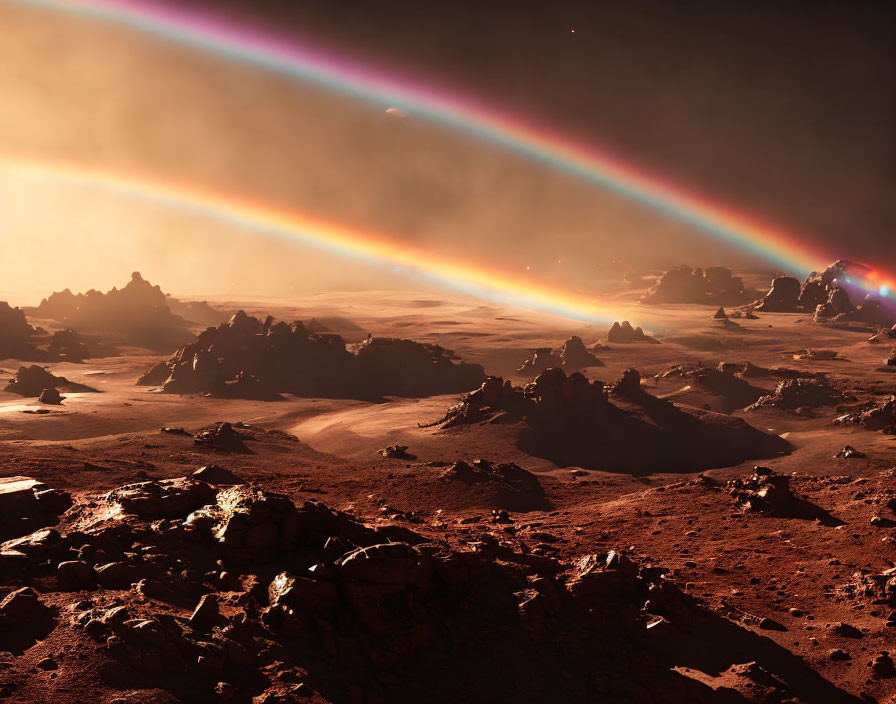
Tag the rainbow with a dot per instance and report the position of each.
(365, 245)
(459, 113)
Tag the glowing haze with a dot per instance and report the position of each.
(446, 230)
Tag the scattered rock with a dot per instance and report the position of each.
(396, 452)
(882, 666)
(849, 452)
(50, 396)
(222, 437)
(846, 630)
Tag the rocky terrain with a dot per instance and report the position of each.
(717, 526)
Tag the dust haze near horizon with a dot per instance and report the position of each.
(81, 91)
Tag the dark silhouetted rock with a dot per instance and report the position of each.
(572, 355)
(571, 421)
(32, 381)
(50, 396)
(246, 358)
(67, 345)
(223, 437)
(782, 297)
(15, 333)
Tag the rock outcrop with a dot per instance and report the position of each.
(573, 421)
(622, 333)
(249, 358)
(799, 395)
(682, 284)
(15, 333)
(34, 380)
(572, 355)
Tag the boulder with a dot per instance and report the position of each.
(21, 606)
(222, 437)
(782, 297)
(162, 499)
(50, 396)
(213, 474)
(389, 563)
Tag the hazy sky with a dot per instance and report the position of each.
(787, 114)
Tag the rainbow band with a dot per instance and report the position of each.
(363, 244)
(462, 114)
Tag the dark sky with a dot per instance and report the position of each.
(786, 110)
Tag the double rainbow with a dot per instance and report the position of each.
(458, 113)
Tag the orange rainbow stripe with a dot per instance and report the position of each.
(234, 211)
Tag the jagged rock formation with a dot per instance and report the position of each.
(248, 358)
(682, 284)
(622, 333)
(19, 340)
(770, 494)
(139, 313)
(722, 381)
(572, 355)
(836, 295)
(799, 394)
(881, 416)
(573, 421)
